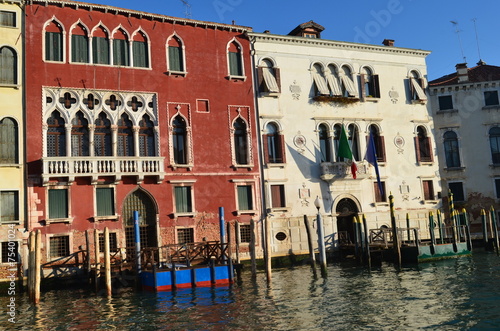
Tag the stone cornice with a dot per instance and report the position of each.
(465, 86)
(266, 37)
(142, 15)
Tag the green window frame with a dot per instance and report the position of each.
(105, 201)
(183, 199)
(140, 52)
(175, 58)
(245, 200)
(53, 46)
(79, 49)
(58, 203)
(9, 143)
(9, 206)
(8, 66)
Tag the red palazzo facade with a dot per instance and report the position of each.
(130, 111)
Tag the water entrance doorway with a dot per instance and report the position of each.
(142, 202)
(346, 210)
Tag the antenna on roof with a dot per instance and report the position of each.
(477, 40)
(457, 31)
(187, 13)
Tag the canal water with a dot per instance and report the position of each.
(458, 294)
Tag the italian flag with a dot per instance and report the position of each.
(345, 151)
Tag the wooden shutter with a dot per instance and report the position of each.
(140, 53)
(277, 196)
(278, 78)
(260, 80)
(175, 58)
(282, 147)
(378, 195)
(376, 86)
(417, 149)
(429, 145)
(362, 82)
(265, 145)
(58, 203)
(105, 201)
(381, 149)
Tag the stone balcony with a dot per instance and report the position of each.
(81, 166)
(331, 171)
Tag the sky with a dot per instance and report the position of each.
(455, 31)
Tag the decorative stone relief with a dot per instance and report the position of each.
(399, 142)
(304, 194)
(300, 142)
(394, 95)
(295, 89)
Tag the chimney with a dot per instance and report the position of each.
(462, 72)
(388, 42)
(267, 31)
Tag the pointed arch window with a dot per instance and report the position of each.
(325, 144)
(80, 141)
(274, 151)
(423, 145)
(179, 139)
(54, 45)
(235, 59)
(140, 51)
(451, 149)
(79, 45)
(146, 137)
(56, 135)
(100, 46)
(9, 141)
(495, 144)
(121, 56)
(175, 55)
(125, 136)
(8, 66)
(240, 142)
(102, 136)
(379, 143)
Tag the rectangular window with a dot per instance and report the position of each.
(175, 62)
(457, 188)
(58, 203)
(10, 251)
(491, 98)
(428, 187)
(245, 201)
(245, 233)
(278, 196)
(497, 188)
(9, 206)
(105, 201)
(140, 52)
(185, 236)
(445, 102)
(58, 246)
(53, 46)
(113, 244)
(7, 18)
(380, 196)
(183, 203)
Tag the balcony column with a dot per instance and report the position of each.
(136, 130)
(68, 139)
(91, 139)
(114, 140)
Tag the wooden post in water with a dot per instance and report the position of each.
(431, 228)
(440, 226)
(238, 240)
(38, 271)
(87, 254)
(485, 229)
(395, 239)
(107, 262)
(312, 256)
(367, 243)
(495, 229)
(229, 250)
(252, 248)
(268, 253)
(408, 231)
(31, 265)
(321, 239)
(358, 246)
(467, 230)
(97, 259)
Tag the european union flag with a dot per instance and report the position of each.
(371, 157)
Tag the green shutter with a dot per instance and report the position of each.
(140, 50)
(105, 202)
(235, 68)
(53, 46)
(183, 199)
(245, 197)
(58, 203)
(9, 206)
(175, 59)
(8, 66)
(8, 141)
(79, 49)
(100, 50)
(120, 52)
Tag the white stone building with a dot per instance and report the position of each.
(466, 111)
(307, 88)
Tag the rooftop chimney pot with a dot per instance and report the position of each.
(388, 42)
(462, 72)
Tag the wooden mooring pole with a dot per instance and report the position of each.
(238, 240)
(31, 265)
(367, 243)
(252, 248)
(395, 239)
(312, 256)
(268, 249)
(485, 229)
(88, 265)
(97, 260)
(495, 229)
(107, 262)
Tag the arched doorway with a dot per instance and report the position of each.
(346, 210)
(142, 202)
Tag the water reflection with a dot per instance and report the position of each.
(453, 294)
